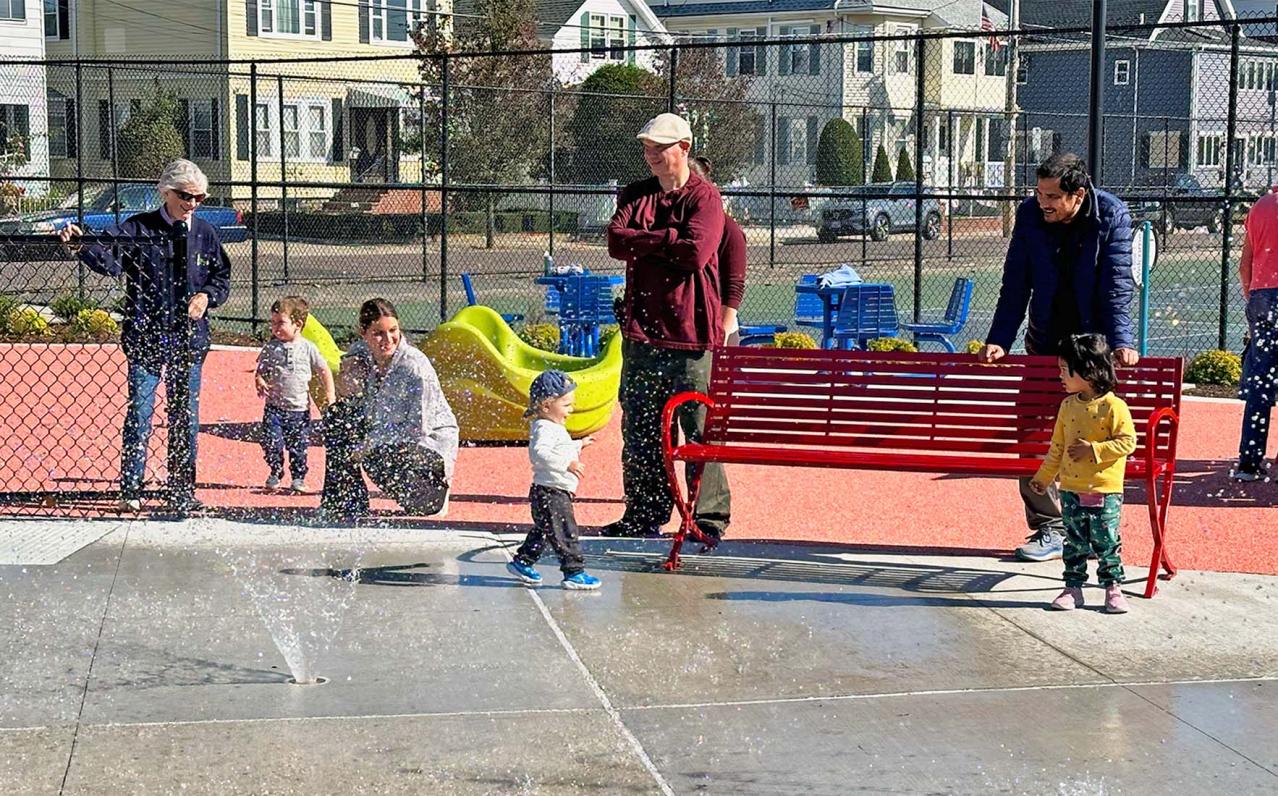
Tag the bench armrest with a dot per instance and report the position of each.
(1151, 436)
(667, 415)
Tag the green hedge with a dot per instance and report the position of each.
(399, 227)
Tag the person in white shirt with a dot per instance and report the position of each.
(556, 471)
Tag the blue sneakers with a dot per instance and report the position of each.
(1045, 544)
(581, 582)
(525, 573)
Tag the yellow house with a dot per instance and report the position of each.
(313, 118)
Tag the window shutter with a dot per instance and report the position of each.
(1144, 150)
(585, 37)
(1182, 148)
(783, 141)
(64, 32)
(104, 129)
(250, 17)
(814, 57)
(215, 139)
(363, 22)
(783, 67)
(761, 54)
(733, 52)
(184, 125)
(135, 105)
(73, 138)
(339, 127)
(242, 122)
(23, 120)
(326, 20)
(812, 140)
(630, 56)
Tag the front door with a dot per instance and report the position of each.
(375, 156)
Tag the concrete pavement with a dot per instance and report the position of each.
(145, 663)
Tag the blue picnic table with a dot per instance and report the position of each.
(583, 303)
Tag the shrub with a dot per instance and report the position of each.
(974, 346)
(1215, 367)
(904, 169)
(8, 307)
(839, 160)
(542, 336)
(68, 306)
(882, 171)
(792, 340)
(892, 344)
(28, 323)
(95, 323)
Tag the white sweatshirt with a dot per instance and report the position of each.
(551, 450)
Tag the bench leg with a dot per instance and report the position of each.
(1159, 502)
(685, 507)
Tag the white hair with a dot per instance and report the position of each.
(182, 174)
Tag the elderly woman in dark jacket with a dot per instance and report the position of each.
(163, 315)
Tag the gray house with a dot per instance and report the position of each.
(1166, 94)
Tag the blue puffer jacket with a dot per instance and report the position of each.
(155, 299)
(1102, 279)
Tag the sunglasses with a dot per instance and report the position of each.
(190, 197)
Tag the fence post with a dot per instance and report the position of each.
(421, 179)
(1147, 237)
(1096, 103)
(79, 168)
(949, 222)
(443, 196)
(674, 67)
(867, 146)
(1227, 225)
(772, 182)
(920, 84)
(279, 80)
(551, 146)
(112, 138)
(252, 120)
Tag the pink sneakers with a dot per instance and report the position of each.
(1115, 602)
(1068, 600)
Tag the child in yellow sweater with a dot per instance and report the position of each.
(1093, 437)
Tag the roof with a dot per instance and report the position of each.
(955, 13)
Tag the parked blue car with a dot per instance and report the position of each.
(100, 213)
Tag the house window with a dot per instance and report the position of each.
(1161, 149)
(318, 131)
(1042, 144)
(57, 126)
(13, 9)
(964, 57)
(902, 50)
(798, 140)
(393, 21)
(1209, 147)
(800, 59)
(864, 52)
(746, 62)
(292, 138)
(15, 134)
(1022, 72)
(617, 38)
(1122, 72)
(943, 134)
(51, 21)
(286, 17)
(263, 121)
(995, 61)
(1191, 10)
(202, 130)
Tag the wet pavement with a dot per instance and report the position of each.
(147, 663)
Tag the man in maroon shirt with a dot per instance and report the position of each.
(667, 229)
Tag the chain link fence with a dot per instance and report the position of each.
(904, 155)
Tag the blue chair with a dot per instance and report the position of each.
(470, 300)
(866, 312)
(953, 322)
(808, 308)
(585, 304)
(758, 335)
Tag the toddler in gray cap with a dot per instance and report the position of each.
(556, 470)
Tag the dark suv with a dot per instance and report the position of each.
(1181, 214)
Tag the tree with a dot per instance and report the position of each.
(882, 166)
(725, 127)
(839, 160)
(497, 105)
(904, 169)
(150, 140)
(611, 105)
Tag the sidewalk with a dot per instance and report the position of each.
(140, 664)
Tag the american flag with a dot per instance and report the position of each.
(988, 26)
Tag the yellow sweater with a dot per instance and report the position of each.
(1106, 423)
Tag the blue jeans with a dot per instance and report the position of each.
(284, 429)
(137, 421)
(1259, 386)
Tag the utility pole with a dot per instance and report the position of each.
(1009, 115)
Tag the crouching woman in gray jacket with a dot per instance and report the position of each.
(391, 419)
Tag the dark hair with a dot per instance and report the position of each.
(1069, 167)
(1088, 356)
(294, 307)
(373, 309)
(702, 166)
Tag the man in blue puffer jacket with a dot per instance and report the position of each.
(1070, 265)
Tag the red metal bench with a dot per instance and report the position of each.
(937, 413)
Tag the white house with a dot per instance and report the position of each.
(24, 138)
